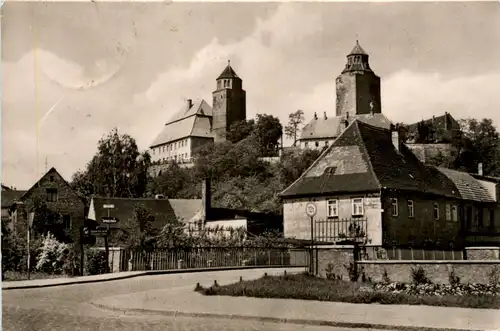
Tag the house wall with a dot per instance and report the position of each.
(226, 224)
(298, 225)
(316, 143)
(403, 229)
(67, 203)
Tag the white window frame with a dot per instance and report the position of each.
(357, 203)
(454, 213)
(394, 207)
(435, 211)
(448, 212)
(332, 206)
(411, 209)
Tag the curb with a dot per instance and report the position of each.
(348, 325)
(144, 273)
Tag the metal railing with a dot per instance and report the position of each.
(334, 230)
(410, 254)
(197, 258)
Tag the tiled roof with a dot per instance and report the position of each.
(164, 210)
(358, 50)
(363, 159)
(228, 73)
(193, 122)
(186, 209)
(331, 127)
(439, 122)
(469, 188)
(10, 196)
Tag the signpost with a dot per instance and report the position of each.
(311, 210)
(31, 217)
(109, 219)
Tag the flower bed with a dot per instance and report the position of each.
(438, 289)
(305, 287)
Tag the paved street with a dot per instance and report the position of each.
(69, 308)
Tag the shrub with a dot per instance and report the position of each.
(419, 276)
(329, 271)
(385, 277)
(96, 261)
(453, 278)
(354, 271)
(53, 256)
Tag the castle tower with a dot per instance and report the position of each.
(229, 103)
(358, 88)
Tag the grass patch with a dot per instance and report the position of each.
(306, 287)
(16, 276)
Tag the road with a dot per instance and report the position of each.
(69, 308)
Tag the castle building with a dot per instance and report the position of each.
(198, 123)
(358, 97)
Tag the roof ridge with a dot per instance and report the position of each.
(317, 160)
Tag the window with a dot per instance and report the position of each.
(51, 194)
(448, 212)
(480, 219)
(394, 206)
(436, 211)
(153, 151)
(492, 218)
(326, 143)
(67, 222)
(317, 144)
(357, 207)
(333, 208)
(306, 144)
(454, 213)
(411, 209)
(51, 178)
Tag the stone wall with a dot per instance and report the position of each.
(339, 258)
(426, 152)
(483, 253)
(436, 271)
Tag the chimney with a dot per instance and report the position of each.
(395, 139)
(206, 197)
(326, 117)
(480, 169)
(315, 115)
(189, 103)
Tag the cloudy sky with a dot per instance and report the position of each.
(73, 71)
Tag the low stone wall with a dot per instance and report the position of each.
(482, 253)
(437, 271)
(339, 257)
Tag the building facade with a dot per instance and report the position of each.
(66, 209)
(357, 97)
(198, 123)
(369, 186)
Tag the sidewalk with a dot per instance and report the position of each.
(37, 283)
(184, 301)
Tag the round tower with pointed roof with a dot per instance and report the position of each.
(358, 87)
(229, 103)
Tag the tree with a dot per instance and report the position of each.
(118, 169)
(294, 163)
(139, 233)
(240, 130)
(480, 144)
(268, 132)
(292, 129)
(175, 182)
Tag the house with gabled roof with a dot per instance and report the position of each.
(65, 209)
(369, 186)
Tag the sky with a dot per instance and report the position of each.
(71, 72)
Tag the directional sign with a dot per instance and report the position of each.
(311, 209)
(99, 231)
(109, 219)
(108, 206)
(86, 231)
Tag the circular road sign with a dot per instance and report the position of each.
(311, 209)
